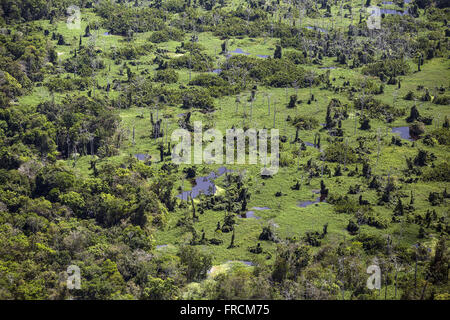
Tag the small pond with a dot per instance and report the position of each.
(240, 51)
(142, 156)
(249, 214)
(261, 208)
(317, 28)
(404, 133)
(203, 185)
(307, 203)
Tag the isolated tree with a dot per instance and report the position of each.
(399, 210)
(61, 40)
(352, 227)
(277, 54)
(292, 101)
(446, 123)
(87, 31)
(439, 265)
(224, 46)
(232, 241)
(413, 115)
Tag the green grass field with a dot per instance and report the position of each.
(285, 217)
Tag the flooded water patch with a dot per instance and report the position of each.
(204, 185)
(404, 133)
(317, 29)
(142, 156)
(392, 11)
(304, 204)
(249, 214)
(239, 51)
(260, 208)
(248, 263)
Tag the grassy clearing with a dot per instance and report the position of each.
(286, 218)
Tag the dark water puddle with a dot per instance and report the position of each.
(240, 51)
(261, 208)
(404, 133)
(392, 11)
(142, 156)
(204, 185)
(248, 263)
(317, 28)
(305, 204)
(249, 214)
(319, 199)
(391, 2)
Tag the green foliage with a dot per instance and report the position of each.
(338, 152)
(440, 172)
(74, 115)
(197, 98)
(195, 263)
(388, 67)
(166, 76)
(166, 34)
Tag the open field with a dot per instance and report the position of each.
(327, 94)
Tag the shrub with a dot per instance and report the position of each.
(166, 76)
(423, 158)
(440, 172)
(352, 227)
(197, 98)
(442, 135)
(371, 243)
(388, 67)
(343, 204)
(338, 152)
(166, 34)
(416, 129)
(409, 96)
(305, 122)
(442, 100)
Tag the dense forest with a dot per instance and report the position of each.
(91, 92)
